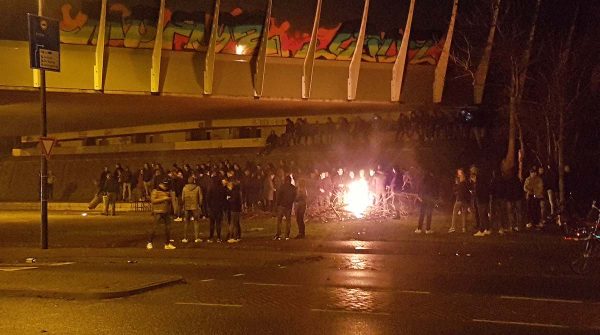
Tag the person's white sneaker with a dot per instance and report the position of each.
(479, 234)
(185, 240)
(487, 232)
(418, 231)
(529, 225)
(169, 246)
(149, 246)
(451, 230)
(178, 219)
(539, 225)
(501, 231)
(429, 231)
(197, 240)
(231, 240)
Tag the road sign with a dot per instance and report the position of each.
(44, 43)
(47, 143)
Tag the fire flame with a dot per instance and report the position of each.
(357, 198)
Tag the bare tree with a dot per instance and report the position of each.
(519, 61)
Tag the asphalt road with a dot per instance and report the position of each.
(331, 283)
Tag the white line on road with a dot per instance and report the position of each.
(271, 284)
(207, 280)
(347, 312)
(239, 274)
(516, 323)
(208, 304)
(507, 297)
(18, 268)
(61, 263)
(415, 292)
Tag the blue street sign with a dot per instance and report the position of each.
(44, 43)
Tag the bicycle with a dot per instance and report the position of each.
(584, 263)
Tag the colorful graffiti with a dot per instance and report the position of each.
(239, 33)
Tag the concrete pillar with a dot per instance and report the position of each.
(309, 61)
(209, 61)
(157, 51)
(354, 68)
(400, 63)
(442, 65)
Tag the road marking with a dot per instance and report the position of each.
(270, 284)
(516, 323)
(18, 268)
(415, 292)
(507, 297)
(239, 274)
(207, 280)
(347, 312)
(208, 304)
(61, 263)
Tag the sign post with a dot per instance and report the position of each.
(44, 54)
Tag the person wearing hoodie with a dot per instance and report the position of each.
(191, 203)
(216, 199)
(161, 211)
(286, 195)
(234, 198)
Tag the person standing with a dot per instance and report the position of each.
(480, 200)
(147, 177)
(514, 202)
(462, 197)
(427, 194)
(301, 200)
(286, 195)
(110, 189)
(160, 197)
(216, 204)
(534, 192)
(234, 198)
(498, 219)
(191, 202)
(269, 191)
(126, 180)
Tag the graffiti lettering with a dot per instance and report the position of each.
(136, 28)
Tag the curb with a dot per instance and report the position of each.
(90, 295)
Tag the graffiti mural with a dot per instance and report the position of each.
(135, 26)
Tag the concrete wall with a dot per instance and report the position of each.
(127, 70)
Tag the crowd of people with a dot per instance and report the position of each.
(223, 191)
(420, 125)
(505, 204)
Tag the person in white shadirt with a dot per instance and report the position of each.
(192, 199)
(161, 211)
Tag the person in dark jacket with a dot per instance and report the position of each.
(216, 200)
(301, 199)
(514, 202)
(480, 200)
(110, 188)
(102, 178)
(427, 195)
(498, 219)
(462, 198)
(234, 198)
(286, 195)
